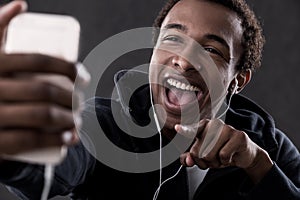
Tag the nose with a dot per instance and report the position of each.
(182, 64)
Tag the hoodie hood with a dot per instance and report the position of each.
(133, 93)
(244, 114)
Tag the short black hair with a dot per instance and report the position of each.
(253, 39)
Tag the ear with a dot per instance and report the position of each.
(243, 79)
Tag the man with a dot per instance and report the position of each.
(251, 159)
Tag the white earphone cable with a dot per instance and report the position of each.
(160, 142)
(48, 177)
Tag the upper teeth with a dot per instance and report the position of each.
(182, 86)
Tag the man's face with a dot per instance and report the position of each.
(218, 31)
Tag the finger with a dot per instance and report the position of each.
(202, 164)
(193, 130)
(227, 153)
(36, 91)
(236, 144)
(211, 136)
(7, 12)
(187, 160)
(213, 156)
(18, 63)
(16, 141)
(35, 116)
(182, 159)
(10, 10)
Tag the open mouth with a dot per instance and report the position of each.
(180, 93)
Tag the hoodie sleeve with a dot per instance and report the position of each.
(27, 181)
(283, 180)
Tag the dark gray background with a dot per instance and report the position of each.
(275, 86)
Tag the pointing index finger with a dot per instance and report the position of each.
(193, 130)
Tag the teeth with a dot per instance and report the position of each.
(178, 85)
(182, 86)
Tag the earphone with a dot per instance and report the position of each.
(234, 87)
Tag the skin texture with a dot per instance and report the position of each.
(220, 35)
(28, 105)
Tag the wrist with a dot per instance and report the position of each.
(261, 165)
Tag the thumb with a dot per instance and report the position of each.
(8, 11)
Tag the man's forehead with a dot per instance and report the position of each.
(205, 18)
(197, 10)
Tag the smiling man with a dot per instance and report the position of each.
(201, 44)
(221, 35)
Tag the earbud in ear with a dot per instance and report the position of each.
(234, 86)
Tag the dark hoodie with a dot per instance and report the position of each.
(86, 178)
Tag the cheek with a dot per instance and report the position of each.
(229, 77)
(160, 56)
(154, 65)
(227, 74)
(158, 65)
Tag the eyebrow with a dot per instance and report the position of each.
(179, 27)
(217, 39)
(212, 37)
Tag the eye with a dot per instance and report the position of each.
(214, 51)
(172, 38)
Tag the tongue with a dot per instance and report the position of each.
(180, 97)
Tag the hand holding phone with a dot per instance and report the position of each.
(49, 34)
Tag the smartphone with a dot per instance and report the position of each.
(51, 34)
